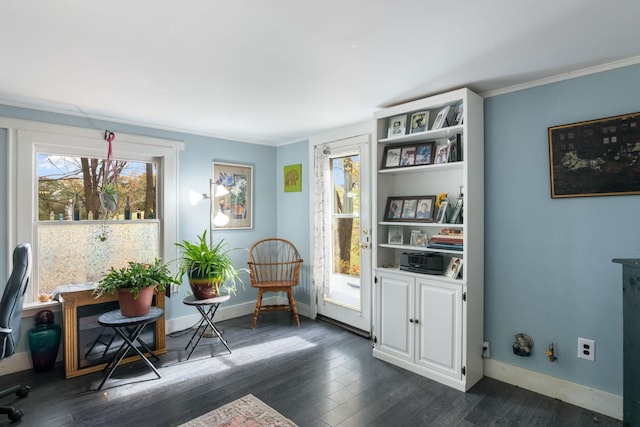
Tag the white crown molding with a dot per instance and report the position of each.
(564, 76)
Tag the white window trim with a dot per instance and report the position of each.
(25, 138)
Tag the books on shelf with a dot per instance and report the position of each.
(447, 241)
(447, 246)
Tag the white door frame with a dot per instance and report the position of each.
(361, 129)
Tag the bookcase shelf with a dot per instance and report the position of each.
(441, 335)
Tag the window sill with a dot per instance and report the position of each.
(32, 308)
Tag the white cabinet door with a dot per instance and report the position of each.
(439, 317)
(395, 333)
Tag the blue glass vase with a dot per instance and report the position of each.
(44, 342)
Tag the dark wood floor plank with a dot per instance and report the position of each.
(317, 375)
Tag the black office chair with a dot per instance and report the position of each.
(11, 318)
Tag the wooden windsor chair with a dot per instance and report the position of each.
(274, 266)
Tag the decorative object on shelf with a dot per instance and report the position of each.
(595, 157)
(44, 341)
(395, 235)
(442, 154)
(458, 114)
(455, 148)
(441, 118)
(236, 202)
(419, 238)
(293, 178)
(419, 121)
(442, 212)
(456, 216)
(442, 197)
(411, 208)
(397, 126)
(208, 267)
(135, 285)
(454, 268)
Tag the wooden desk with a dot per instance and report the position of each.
(72, 300)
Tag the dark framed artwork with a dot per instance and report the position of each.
(595, 158)
(410, 209)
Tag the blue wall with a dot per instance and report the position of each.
(195, 169)
(294, 219)
(548, 267)
(548, 261)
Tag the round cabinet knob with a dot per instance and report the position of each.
(417, 321)
(410, 320)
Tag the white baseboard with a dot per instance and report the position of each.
(19, 362)
(580, 395)
(229, 312)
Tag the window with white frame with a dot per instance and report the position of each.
(54, 202)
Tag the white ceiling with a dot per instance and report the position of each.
(277, 71)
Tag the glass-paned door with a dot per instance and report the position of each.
(346, 291)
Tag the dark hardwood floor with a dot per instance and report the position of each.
(315, 375)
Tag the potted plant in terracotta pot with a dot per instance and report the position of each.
(208, 267)
(135, 285)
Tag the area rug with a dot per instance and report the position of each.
(248, 411)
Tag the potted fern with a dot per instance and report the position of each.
(135, 285)
(208, 267)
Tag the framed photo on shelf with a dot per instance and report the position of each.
(442, 154)
(393, 210)
(410, 209)
(442, 212)
(395, 235)
(455, 148)
(397, 126)
(458, 111)
(425, 209)
(419, 121)
(408, 157)
(441, 118)
(456, 216)
(391, 157)
(424, 153)
(398, 156)
(454, 268)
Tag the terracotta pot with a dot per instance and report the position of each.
(203, 287)
(135, 307)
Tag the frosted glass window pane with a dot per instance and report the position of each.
(71, 252)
